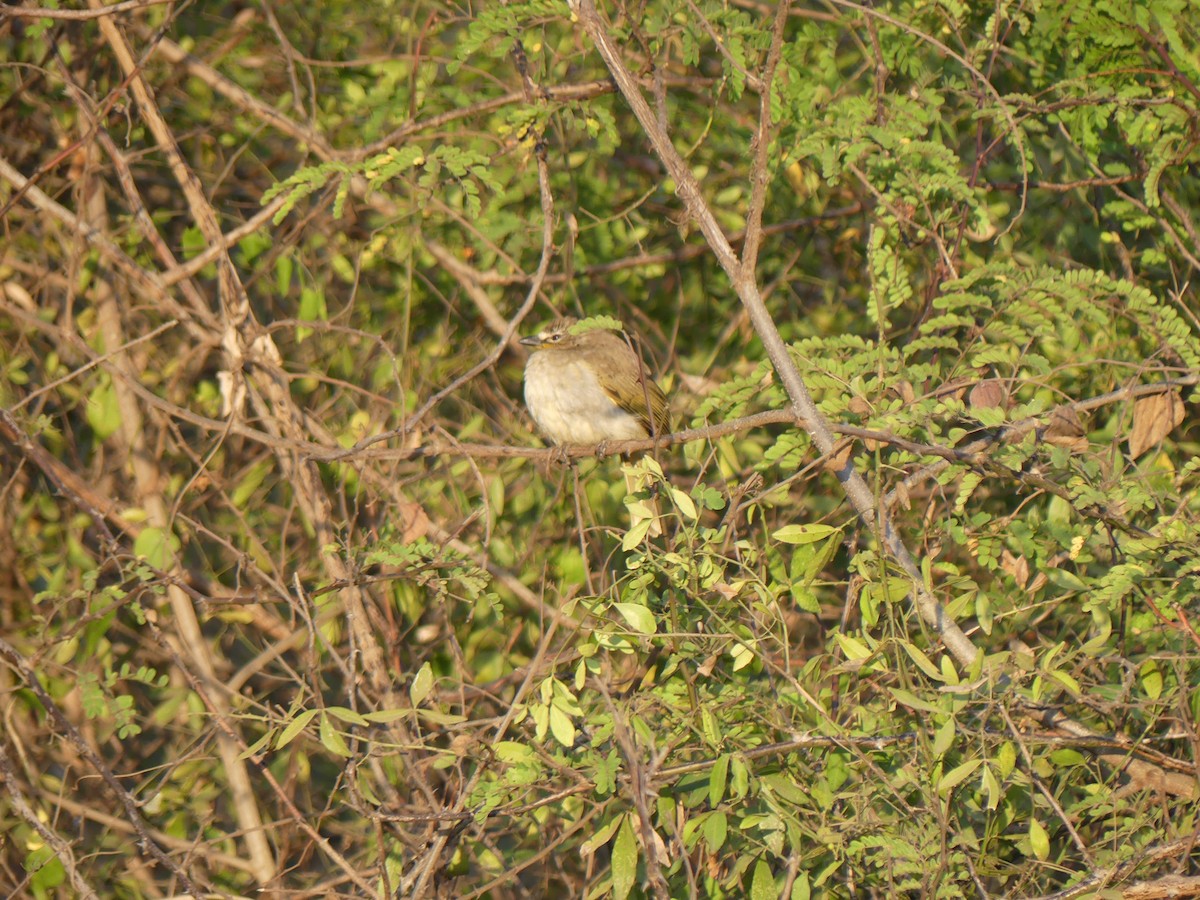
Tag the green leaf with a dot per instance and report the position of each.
(597, 323)
(912, 701)
(717, 779)
(47, 871)
(716, 829)
(103, 410)
(514, 752)
(1067, 580)
(741, 777)
(383, 716)
(890, 590)
(709, 727)
(312, 309)
(262, 744)
(1006, 758)
(1039, 841)
(157, 547)
(637, 531)
(250, 483)
(992, 787)
(363, 781)
(804, 534)
(943, 740)
(1152, 680)
(708, 497)
(924, 663)
(192, 242)
(957, 775)
(294, 727)
(422, 685)
(284, 265)
(763, 885)
(347, 715)
(743, 655)
(1066, 680)
(438, 717)
(624, 860)
(331, 738)
(820, 555)
(686, 506)
(854, 649)
(562, 727)
(639, 617)
(601, 837)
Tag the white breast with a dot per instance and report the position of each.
(569, 405)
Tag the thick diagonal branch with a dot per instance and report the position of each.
(741, 274)
(742, 277)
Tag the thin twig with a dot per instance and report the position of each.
(77, 15)
(133, 814)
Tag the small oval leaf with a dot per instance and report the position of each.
(624, 861)
(804, 534)
(422, 685)
(640, 618)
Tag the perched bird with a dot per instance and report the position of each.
(590, 388)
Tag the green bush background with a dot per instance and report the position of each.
(448, 669)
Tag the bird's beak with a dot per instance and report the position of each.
(532, 341)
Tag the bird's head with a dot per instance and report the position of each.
(556, 335)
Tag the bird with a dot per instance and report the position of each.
(588, 386)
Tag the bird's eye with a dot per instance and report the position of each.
(552, 338)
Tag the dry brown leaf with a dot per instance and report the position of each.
(416, 523)
(859, 406)
(988, 394)
(699, 385)
(1154, 417)
(1065, 429)
(838, 459)
(726, 591)
(1016, 566)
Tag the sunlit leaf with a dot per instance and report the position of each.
(624, 860)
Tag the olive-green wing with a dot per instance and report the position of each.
(626, 390)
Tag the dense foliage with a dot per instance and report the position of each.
(291, 598)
